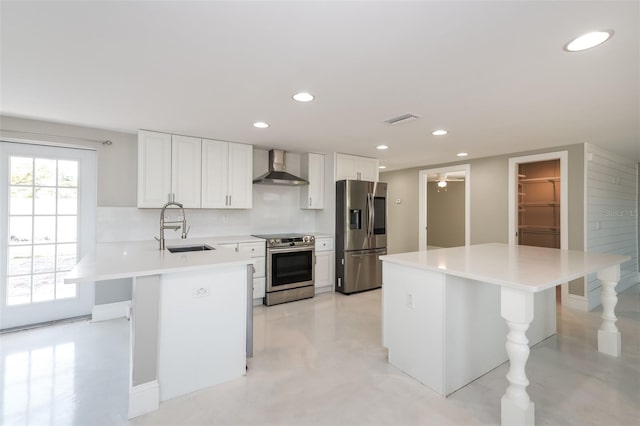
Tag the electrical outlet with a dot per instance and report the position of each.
(201, 292)
(411, 301)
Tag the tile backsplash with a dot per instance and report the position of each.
(275, 209)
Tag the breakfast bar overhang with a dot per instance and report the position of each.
(444, 304)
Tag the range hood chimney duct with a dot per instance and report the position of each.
(277, 174)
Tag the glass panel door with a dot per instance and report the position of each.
(42, 233)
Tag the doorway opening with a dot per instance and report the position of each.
(444, 210)
(538, 203)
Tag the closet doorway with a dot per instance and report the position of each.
(538, 202)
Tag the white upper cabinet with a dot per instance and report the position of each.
(227, 171)
(356, 168)
(168, 169)
(312, 169)
(154, 168)
(240, 176)
(215, 174)
(186, 153)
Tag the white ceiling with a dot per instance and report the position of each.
(493, 74)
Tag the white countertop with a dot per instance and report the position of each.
(141, 258)
(529, 268)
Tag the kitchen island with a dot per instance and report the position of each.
(189, 326)
(442, 309)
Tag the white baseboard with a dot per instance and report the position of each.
(325, 289)
(110, 311)
(579, 303)
(144, 398)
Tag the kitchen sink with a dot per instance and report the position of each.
(182, 249)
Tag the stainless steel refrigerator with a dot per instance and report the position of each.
(361, 234)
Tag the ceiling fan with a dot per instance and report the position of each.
(443, 178)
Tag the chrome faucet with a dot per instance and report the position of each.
(163, 224)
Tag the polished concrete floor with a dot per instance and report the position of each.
(319, 362)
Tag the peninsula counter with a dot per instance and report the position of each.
(190, 314)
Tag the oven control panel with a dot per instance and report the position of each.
(295, 240)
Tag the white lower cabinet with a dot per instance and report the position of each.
(257, 252)
(325, 265)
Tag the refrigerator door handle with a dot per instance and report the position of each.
(371, 215)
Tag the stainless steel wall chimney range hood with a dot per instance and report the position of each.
(277, 174)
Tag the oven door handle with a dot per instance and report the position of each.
(289, 249)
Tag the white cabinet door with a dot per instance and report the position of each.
(186, 167)
(346, 167)
(312, 169)
(325, 263)
(215, 174)
(324, 269)
(154, 169)
(258, 288)
(257, 252)
(368, 168)
(357, 168)
(227, 171)
(240, 176)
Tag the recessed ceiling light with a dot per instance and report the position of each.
(439, 132)
(382, 167)
(260, 124)
(382, 147)
(587, 41)
(303, 97)
(462, 154)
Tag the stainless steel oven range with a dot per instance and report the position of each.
(290, 267)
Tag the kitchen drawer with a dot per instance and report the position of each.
(258, 288)
(258, 264)
(232, 246)
(324, 244)
(252, 249)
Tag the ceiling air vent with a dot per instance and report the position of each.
(402, 118)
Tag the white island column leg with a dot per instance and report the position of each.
(608, 334)
(516, 307)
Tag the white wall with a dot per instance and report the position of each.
(117, 163)
(611, 223)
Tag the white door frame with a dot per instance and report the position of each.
(564, 193)
(17, 315)
(422, 197)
